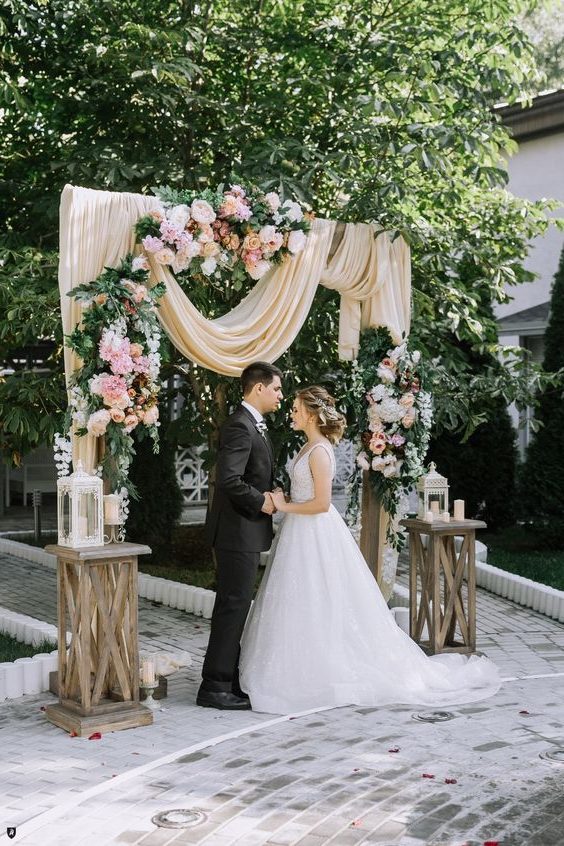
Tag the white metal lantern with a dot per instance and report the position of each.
(432, 493)
(80, 513)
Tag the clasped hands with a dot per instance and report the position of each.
(274, 501)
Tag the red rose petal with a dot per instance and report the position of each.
(73, 734)
(427, 775)
(450, 781)
(95, 736)
(395, 749)
(491, 842)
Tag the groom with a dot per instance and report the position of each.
(239, 527)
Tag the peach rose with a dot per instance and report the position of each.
(131, 421)
(157, 215)
(101, 299)
(151, 415)
(164, 256)
(98, 422)
(135, 350)
(407, 400)
(229, 206)
(210, 249)
(117, 415)
(140, 292)
(251, 242)
(408, 421)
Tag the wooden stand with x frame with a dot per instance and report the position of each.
(437, 599)
(98, 675)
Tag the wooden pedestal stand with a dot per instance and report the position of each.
(373, 521)
(437, 570)
(98, 674)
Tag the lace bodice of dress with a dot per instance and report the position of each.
(301, 480)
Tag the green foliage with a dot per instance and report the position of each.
(542, 491)
(544, 25)
(368, 111)
(153, 516)
(486, 485)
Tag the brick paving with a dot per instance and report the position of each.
(322, 778)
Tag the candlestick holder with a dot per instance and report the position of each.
(114, 533)
(149, 688)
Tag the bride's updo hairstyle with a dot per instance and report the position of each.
(319, 402)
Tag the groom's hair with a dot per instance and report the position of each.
(258, 371)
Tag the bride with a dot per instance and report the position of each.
(320, 632)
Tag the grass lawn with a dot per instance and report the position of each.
(513, 549)
(10, 648)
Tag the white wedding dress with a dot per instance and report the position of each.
(320, 632)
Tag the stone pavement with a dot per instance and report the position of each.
(327, 777)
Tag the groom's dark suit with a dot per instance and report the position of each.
(239, 531)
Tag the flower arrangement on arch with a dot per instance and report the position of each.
(394, 417)
(223, 236)
(115, 392)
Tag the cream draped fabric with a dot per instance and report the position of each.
(371, 274)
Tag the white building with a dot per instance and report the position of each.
(536, 171)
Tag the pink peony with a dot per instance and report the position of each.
(202, 212)
(98, 422)
(141, 364)
(169, 232)
(140, 263)
(152, 244)
(238, 190)
(121, 364)
(396, 440)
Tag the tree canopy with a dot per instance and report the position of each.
(367, 110)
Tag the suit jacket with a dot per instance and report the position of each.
(244, 471)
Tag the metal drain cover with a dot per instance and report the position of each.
(555, 756)
(433, 716)
(179, 818)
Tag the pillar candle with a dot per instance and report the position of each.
(445, 517)
(429, 517)
(435, 507)
(459, 509)
(111, 509)
(148, 671)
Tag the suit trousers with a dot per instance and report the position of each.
(236, 577)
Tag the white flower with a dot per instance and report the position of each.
(389, 410)
(267, 234)
(202, 212)
(179, 216)
(140, 263)
(379, 392)
(385, 374)
(296, 241)
(180, 263)
(374, 420)
(397, 352)
(416, 356)
(257, 271)
(98, 422)
(208, 266)
(292, 211)
(362, 461)
(273, 200)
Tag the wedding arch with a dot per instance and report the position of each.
(371, 274)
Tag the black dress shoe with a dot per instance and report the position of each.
(224, 700)
(240, 694)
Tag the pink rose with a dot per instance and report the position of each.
(229, 206)
(408, 421)
(377, 443)
(140, 294)
(151, 415)
(407, 400)
(117, 415)
(130, 422)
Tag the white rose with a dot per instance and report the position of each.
(296, 241)
(208, 266)
(292, 211)
(273, 201)
(180, 263)
(362, 461)
(179, 216)
(98, 422)
(257, 271)
(385, 374)
(202, 212)
(267, 234)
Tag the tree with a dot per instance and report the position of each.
(544, 25)
(366, 109)
(541, 479)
